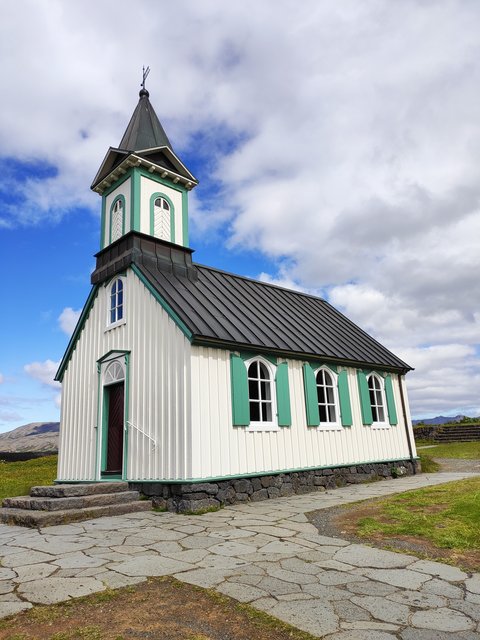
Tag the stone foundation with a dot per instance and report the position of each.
(195, 497)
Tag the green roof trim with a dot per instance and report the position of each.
(76, 334)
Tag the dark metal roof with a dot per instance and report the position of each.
(222, 308)
(144, 130)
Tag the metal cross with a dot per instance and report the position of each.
(145, 74)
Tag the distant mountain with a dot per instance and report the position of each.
(439, 420)
(36, 436)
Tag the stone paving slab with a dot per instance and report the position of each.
(266, 554)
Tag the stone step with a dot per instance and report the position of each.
(76, 502)
(74, 490)
(38, 519)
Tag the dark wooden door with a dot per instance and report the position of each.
(115, 428)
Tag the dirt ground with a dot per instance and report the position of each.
(159, 609)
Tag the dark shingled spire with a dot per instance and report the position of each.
(144, 130)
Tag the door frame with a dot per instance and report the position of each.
(123, 358)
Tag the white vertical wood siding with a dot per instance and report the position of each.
(123, 190)
(220, 449)
(147, 188)
(159, 388)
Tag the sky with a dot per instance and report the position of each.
(337, 145)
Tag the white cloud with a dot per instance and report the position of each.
(340, 140)
(68, 320)
(44, 372)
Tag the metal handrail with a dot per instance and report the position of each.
(142, 432)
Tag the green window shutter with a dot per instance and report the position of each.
(367, 417)
(283, 395)
(240, 406)
(392, 412)
(311, 400)
(344, 396)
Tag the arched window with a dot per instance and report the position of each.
(377, 402)
(162, 219)
(260, 395)
(114, 373)
(327, 397)
(116, 301)
(117, 220)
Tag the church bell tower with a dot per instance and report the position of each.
(143, 183)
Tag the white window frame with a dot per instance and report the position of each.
(109, 285)
(262, 425)
(165, 217)
(379, 424)
(330, 426)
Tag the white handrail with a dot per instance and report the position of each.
(142, 432)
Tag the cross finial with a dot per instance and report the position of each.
(144, 77)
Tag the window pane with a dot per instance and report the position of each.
(375, 414)
(119, 313)
(253, 370)
(166, 206)
(266, 412)
(263, 371)
(323, 413)
(321, 395)
(119, 298)
(254, 412)
(372, 396)
(331, 414)
(330, 396)
(265, 390)
(381, 415)
(112, 316)
(253, 389)
(114, 288)
(158, 202)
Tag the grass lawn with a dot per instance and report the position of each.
(443, 521)
(465, 450)
(16, 478)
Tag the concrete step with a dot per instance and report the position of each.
(38, 519)
(76, 502)
(74, 490)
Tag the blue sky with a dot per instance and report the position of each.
(337, 148)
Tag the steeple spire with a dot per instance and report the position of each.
(144, 130)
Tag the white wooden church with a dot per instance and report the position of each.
(196, 383)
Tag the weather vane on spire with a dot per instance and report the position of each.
(145, 74)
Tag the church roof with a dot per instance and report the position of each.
(223, 309)
(144, 130)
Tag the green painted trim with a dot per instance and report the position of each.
(76, 334)
(105, 408)
(251, 355)
(318, 365)
(367, 417)
(273, 473)
(283, 395)
(126, 415)
(116, 199)
(311, 397)
(103, 223)
(180, 324)
(98, 435)
(344, 399)
(136, 199)
(119, 352)
(392, 411)
(185, 217)
(153, 197)
(239, 386)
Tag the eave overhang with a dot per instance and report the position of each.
(135, 159)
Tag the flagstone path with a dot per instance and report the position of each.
(264, 553)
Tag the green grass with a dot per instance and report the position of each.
(16, 478)
(465, 450)
(428, 463)
(447, 515)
